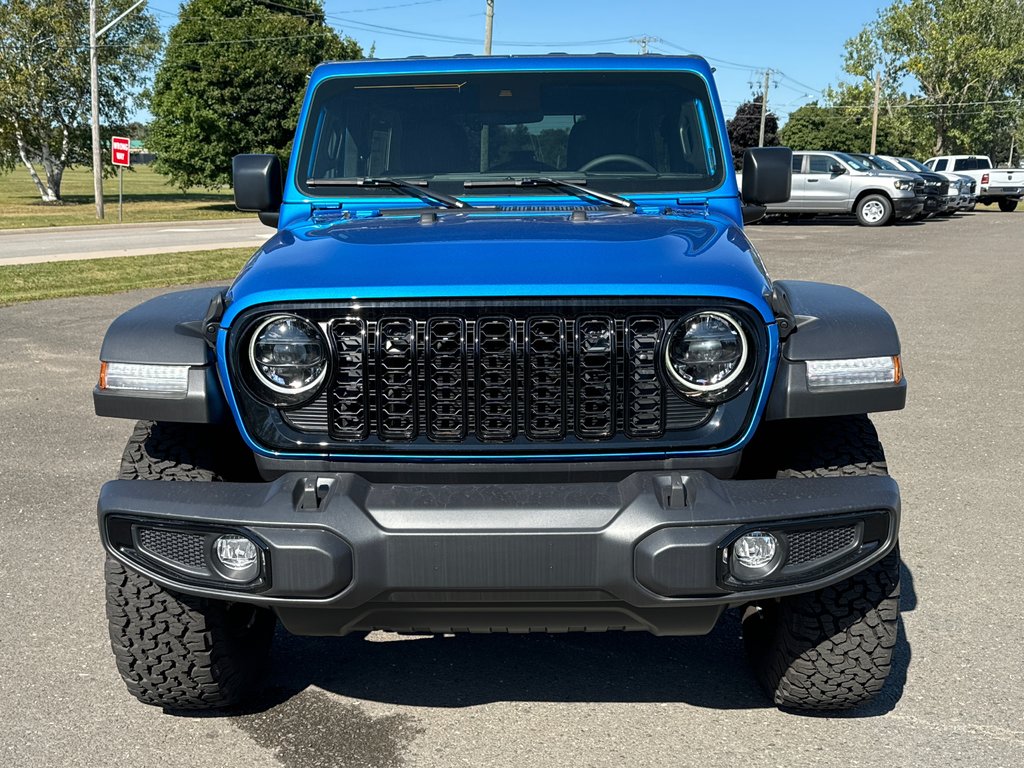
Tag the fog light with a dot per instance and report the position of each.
(756, 549)
(237, 556)
(755, 556)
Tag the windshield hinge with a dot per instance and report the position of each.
(690, 206)
(328, 211)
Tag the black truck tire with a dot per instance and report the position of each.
(173, 650)
(1006, 205)
(830, 649)
(874, 210)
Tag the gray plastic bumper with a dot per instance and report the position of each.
(338, 549)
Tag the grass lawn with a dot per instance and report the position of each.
(88, 277)
(147, 197)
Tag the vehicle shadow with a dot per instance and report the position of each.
(456, 671)
(844, 221)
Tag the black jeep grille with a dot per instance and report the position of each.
(498, 376)
(544, 377)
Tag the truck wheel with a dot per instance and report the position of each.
(1007, 206)
(830, 649)
(174, 650)
(874, 210)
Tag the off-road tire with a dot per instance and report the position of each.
(874, 210)
(830, 649)
(173, 650)
(1007, 206)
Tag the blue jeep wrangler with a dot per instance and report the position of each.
(509, 364)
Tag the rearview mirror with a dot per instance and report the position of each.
(767, 175)
(836, 168)
(257, 183)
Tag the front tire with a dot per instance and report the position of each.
(830, 649)
(175, 650)
(874, 210)
(182, 652)
(1007, 206)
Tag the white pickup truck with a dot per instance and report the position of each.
(1004, 186)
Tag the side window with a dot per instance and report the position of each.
(798, 161)
(940, 165)
(821, 164)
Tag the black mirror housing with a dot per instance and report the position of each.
(836, 168)
(767, 175)
(257, 183)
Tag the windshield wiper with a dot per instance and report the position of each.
(576, 187)
(411, 188)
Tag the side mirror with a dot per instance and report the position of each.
(257, 183)
(767, 175)
(836, 168)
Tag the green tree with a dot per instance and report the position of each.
(232, 81)
(831, 127)
(44, 81)
(745, 128)
(967, 57)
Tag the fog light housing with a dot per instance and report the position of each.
(236, 557)
(755, 555)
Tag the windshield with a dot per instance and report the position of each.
(913, 165)
(855, 162)
(614, 131)
(884, 164)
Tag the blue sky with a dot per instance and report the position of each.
(801, 39)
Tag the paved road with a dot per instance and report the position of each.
(955, 697)
(30, 246)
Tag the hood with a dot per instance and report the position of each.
(467, 255)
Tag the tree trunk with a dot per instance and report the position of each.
(45, 191)
(52, 170)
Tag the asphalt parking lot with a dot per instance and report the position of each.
(956, 695)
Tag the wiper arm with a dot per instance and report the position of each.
(413, 189)
(576, 187)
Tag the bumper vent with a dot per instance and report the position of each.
(178, 547)
(807, 546)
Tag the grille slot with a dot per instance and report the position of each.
(644, 396)
(545, 378)
(805, 546)
(397, 410)
(446, 379)
(348, 412)
(595, 377)
(496, 379)
(187, 549)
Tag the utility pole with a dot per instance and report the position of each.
(874, 112)
(485, 130)
(94, 86)
(644, 41)
(764, 106)
(489, 28)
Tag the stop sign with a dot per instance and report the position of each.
(119, 150)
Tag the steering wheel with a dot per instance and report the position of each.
(639, 162)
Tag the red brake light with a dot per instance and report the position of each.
(984, 178)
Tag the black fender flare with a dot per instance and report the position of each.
(831, 322)
(167, 330)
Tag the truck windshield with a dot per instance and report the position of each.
(612, 131)
(855, 162)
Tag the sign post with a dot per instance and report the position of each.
(120, 155)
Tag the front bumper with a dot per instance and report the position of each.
(342, 554)
(906, 207)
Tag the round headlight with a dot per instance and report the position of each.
(706, 355)
(289, 356)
